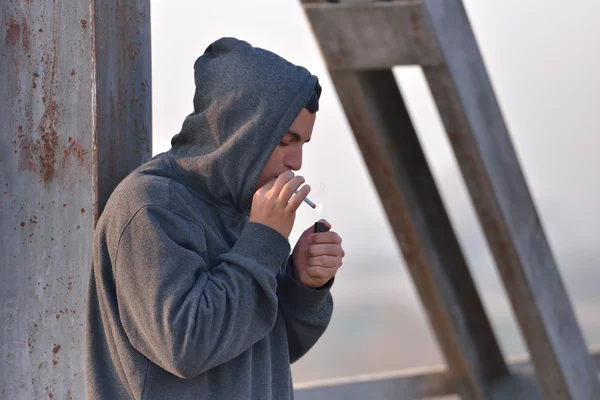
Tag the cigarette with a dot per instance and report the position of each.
(308, 201)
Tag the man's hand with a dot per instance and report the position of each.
(317, 257)
(271, 204)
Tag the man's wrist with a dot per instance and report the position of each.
(302, 299)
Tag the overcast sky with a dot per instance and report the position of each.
(543, 59)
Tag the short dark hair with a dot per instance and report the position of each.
(313, 103)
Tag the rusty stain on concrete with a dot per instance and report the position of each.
(13, 33)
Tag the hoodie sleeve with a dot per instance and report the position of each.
(187, 316)
(307, 311)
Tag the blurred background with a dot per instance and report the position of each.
(543, 60)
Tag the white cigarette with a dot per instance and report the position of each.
(308, 201)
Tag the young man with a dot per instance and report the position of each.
(193, 293)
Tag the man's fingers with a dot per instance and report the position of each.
(318, 272)
(290, 188)
(297, 200)
(325, 261)
(281, 181)
(325, 250)
(326, 237)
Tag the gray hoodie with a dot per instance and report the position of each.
(187, 299)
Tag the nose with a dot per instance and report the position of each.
(293, 159)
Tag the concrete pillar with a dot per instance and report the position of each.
(75, 118)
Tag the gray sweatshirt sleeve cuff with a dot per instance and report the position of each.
(301, 299)
(263, 244)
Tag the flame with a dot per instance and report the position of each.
(319, 210)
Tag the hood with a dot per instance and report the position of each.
(245, 100)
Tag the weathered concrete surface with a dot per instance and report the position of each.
(46, 124)
(56, 123)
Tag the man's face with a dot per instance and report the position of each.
(288, 153)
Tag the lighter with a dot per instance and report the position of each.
(320, 227)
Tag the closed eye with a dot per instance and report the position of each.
(295, 137)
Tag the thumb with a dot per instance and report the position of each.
(327, 224)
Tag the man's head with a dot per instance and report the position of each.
(248, 122)
(288, 153)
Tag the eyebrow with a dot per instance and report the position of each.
(296, 135)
